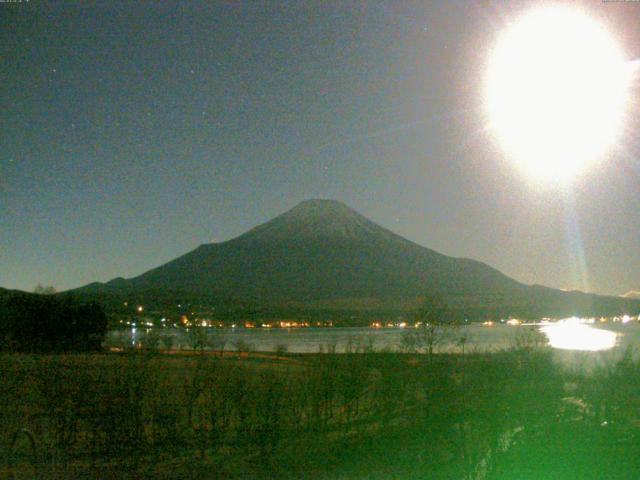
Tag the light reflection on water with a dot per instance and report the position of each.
(575, 335)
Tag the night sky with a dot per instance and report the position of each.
(132, 132)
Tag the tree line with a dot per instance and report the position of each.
(41, 323)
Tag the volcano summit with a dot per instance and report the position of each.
(324, 255)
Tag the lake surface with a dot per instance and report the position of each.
(571, 339)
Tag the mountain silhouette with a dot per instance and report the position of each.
(323, 254)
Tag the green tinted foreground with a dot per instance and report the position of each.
(507, 415)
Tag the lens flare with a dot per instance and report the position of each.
(556, 90)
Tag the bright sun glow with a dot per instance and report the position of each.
(556, 90)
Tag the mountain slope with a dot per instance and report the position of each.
(323, 253)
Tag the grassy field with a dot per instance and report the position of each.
(503, 415)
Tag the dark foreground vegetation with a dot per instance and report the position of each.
(50, 323)
(506, 415)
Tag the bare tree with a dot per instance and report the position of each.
(434, 327)
(198, 339)
(44, 290)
